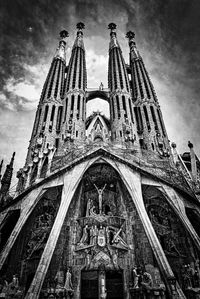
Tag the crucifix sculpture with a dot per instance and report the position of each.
(100, 192)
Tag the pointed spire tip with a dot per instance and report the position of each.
(112, 26)
(130, 35)
(64, 34)
(80, 26)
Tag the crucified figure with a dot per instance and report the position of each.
(100, 192)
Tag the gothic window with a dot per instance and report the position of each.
(126, 75)
(46, 113)
(57, 143)
(78, 106)
(52, 79)
(118, 106)
(83, 109)
(147, 118)
(58, 78)
(112, 107)
(139, 81)
(161, 122)
(37, 122)
(114, 69)
(150, 84)
(80, 69)
(134, 85)
(131, 110)
(44, 168)
(119, 70)
(75, 69)
(62, 81)
(59, 118)
(66, 103)
(145, 81)
(154, 117)
(124, 106)
(138, 116)
(72, 105)
(84, 73)
(52, 118)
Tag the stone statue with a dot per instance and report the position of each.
(101, 86)
(100, 193)
(135, 278)
(147, 281)
(93, 235)
(88, 207)
(68, 281)
(84, 239)
(59, 279)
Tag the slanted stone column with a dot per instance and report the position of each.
(71, 181)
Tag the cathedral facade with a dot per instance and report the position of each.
(104, 207)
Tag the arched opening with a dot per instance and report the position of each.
(98, 105)
(7, 226)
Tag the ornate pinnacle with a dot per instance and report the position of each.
(80, 26)
(190, 145)
(12, 160)
(64, 34)
(112, 26)
(130, 35)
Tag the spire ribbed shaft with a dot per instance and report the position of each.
(47, 126)
(121, 107)
(150, 123)
(74, 103)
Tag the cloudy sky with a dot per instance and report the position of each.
(167, 35)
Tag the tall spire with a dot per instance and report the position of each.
(54, 84)
(6, 179)
(79, 39)
(47, 126)
(60, 52)
(122, 119)
(150, 125)
(75, 102)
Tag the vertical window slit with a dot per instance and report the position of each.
(147, 118)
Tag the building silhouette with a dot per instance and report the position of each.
(104, 207)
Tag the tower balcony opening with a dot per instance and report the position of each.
(98, 120)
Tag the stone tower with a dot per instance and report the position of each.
(104, 207)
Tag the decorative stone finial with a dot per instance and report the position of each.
(190, 145)
(112, 26)
(130, 35)
(80, 26)
(64, 34)
(131, 38)
(173, 145)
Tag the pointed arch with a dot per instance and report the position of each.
(132, 181)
